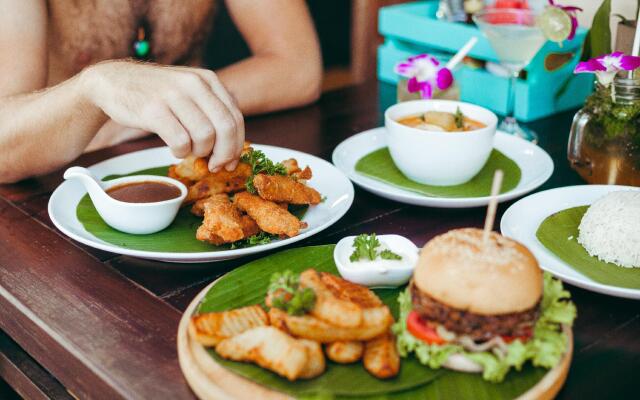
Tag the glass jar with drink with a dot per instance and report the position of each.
(604, 144)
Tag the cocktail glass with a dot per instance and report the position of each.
(516, 38)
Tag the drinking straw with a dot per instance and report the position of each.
(493, 204)
(461, 53)
(636, 42)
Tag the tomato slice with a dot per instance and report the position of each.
(422, 330)
(523, 338)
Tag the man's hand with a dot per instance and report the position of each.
(187, 107)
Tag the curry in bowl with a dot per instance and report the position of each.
(440, 121)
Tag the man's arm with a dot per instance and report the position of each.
(285, 69)
(24, 145)
(44, 129)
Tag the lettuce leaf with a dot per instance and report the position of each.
(544, 349)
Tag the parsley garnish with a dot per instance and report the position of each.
(365, 246)
(260, 164)
(459, 118)
(259, 238)
(287, 295)
(389, 255)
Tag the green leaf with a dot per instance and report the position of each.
(598, 40)
(459, 118)
(260, 164)
(559, 233)
(379, 165)
(248, 284)
(389, 255)
(179, 237)
(364, 247)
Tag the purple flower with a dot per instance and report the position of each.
(425, 74)
(608, 65)
(572, 14)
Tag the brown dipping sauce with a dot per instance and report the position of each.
(144, 192)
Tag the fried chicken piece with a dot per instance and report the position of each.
(280, 188)
(173, 174)
(269, 216)
(381, 357)
(268, 347)
(222, 221)
(222, 181)
(209, 329)
(293, 169)
(198, 207)
(191, 169)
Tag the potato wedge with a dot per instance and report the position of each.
(268, 347)
(315, 359)
(344, 352)
(210, 328)
(328, 306)
(381, 357)
(310, 327)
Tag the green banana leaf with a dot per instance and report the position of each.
(248, 284)
(559, 233)
(179, 237)
(380, 166)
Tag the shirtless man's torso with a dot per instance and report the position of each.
(82, 32)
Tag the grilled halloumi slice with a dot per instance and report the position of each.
(329, 307)
(315, 359)
(381, 357)
(270, 348)
(344, 352)
(312, 328)
(210, 328)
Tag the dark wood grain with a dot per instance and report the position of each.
(27, 378)
(104, 325)
(96, 330)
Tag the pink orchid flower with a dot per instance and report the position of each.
(607, 66)
(425, 74)
(572, 14)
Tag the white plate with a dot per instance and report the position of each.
(522, 219)
(535, 164)
(328, 180)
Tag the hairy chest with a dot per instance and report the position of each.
(83, 32)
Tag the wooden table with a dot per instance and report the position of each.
(93, 324)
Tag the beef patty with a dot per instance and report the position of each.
(478, 327)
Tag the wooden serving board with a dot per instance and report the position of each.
(210, 381)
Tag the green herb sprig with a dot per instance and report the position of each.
(259, 238)
(459, 118)
(365, 247)
(287, 295)
(260, 164)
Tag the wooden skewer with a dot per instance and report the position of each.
(635, 50)
(493, 205)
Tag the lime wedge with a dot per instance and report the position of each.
(555, 24)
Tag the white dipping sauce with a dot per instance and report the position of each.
(378, 272)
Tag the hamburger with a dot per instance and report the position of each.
(479, 306)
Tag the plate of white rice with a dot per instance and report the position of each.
(609, 231)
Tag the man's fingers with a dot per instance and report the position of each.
(226, 128)
(224, 150)
(197, 124)
(221, 92)
(175, 136)
(165, 124)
